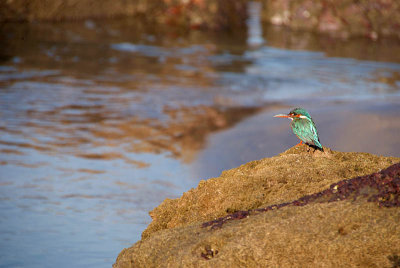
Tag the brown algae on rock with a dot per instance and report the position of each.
(382, 188)
(297, 172)
(337, 234)
(319, 213)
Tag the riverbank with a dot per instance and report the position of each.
(294, 209)
(344, 18)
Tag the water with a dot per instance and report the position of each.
(102, 120)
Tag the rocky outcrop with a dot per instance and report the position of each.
(341, 17)
(59, 10)
(298, 209)
(187, 14)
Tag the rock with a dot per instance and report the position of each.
(59, 10)
(185, 14)
(341, 18)
(296, 209)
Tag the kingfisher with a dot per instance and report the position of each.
(304, 127)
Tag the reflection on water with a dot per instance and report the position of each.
(102, 120)
(254, 27)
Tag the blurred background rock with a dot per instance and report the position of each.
(344, 18)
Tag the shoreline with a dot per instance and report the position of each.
(344, 19)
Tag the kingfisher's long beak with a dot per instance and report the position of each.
(282, 115)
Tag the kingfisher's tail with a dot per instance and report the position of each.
(318, 145)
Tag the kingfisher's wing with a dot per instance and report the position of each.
(315, 137)
(306, 131)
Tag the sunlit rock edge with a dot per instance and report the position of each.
(350, 232)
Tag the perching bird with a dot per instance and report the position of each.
(303, 126)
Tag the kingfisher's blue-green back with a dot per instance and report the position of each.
(304, 127)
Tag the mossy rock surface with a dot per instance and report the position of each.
(335, 234)
(297, 172)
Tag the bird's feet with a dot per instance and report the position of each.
(301, 143)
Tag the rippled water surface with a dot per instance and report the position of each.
(102, 120)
